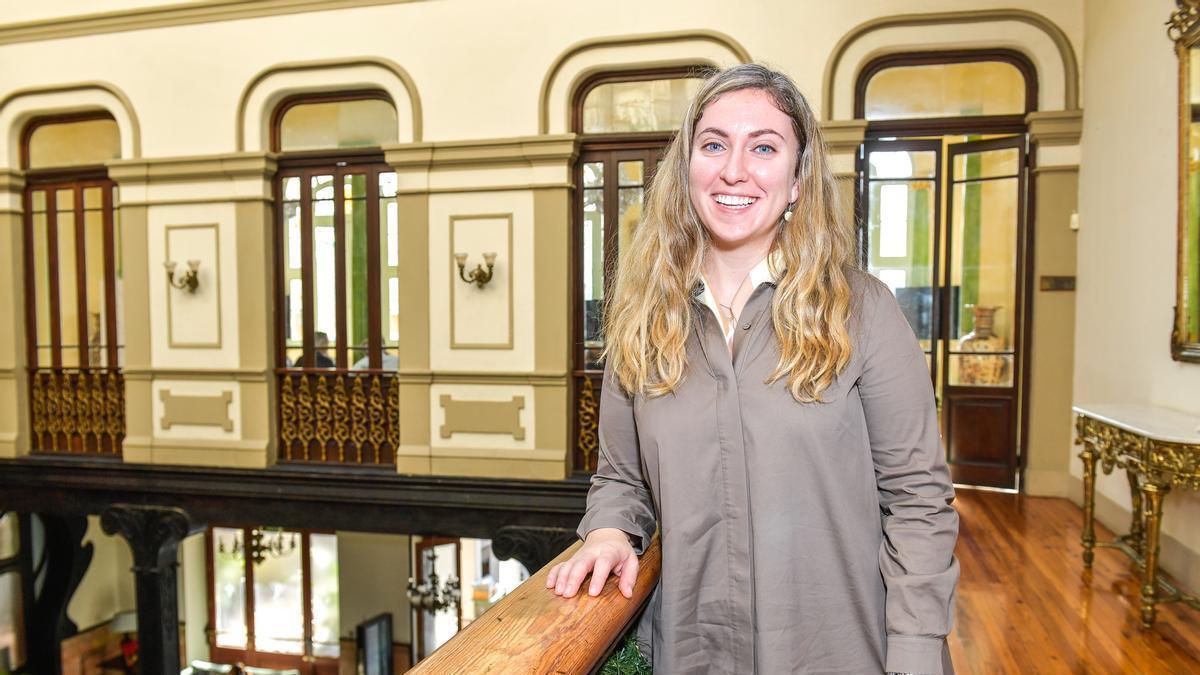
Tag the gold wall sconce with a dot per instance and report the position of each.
(477, 276)
(188, 281)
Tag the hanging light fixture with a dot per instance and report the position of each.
(431, 594)
(264, 543)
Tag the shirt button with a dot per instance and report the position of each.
(746, 326)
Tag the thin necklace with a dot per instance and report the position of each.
(729, 308)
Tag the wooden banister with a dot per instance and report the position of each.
(532, 630)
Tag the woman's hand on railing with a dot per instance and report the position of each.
(606, 550)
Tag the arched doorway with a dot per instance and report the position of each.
(943, 196)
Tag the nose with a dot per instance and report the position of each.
(734, 169)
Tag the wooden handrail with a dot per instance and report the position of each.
(532, 630)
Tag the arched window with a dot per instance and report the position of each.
(338, 280)
(625, 120)
(73, 276)
(942, 198)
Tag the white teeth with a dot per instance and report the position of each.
(730, 200)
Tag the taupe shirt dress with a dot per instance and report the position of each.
(796, 538)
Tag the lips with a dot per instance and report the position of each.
(734, 201)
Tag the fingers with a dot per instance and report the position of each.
(552, 575)
(574, 578)
(629, 571)
(599, 575)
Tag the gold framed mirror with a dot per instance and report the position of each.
(1184, 29)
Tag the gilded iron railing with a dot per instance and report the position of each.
(77, 410)
(343, 417)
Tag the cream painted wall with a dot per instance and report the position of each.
(185, 81)
(107, 586)
(1127, 240)
(193, 607)
(373, 571)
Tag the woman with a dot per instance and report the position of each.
(768, 404)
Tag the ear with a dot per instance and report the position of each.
(794, 192)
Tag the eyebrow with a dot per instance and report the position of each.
(753, 134)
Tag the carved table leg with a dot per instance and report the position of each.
(1152, 503)
(1136, 536)
(153, 534)
(1089, 505)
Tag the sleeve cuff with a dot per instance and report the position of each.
(637, 538)
(915, 655)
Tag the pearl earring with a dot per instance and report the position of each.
(787, 215)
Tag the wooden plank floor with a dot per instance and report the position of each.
(1026, 605)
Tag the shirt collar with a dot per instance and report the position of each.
(767, 271)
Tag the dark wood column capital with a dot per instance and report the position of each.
(153, 534)
(532, 546)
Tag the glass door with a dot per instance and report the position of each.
(901, 202)
(958, 274)
(983, 313)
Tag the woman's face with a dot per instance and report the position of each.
(742, 172)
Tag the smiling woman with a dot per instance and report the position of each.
(767, 409)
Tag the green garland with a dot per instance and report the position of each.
(627, 660)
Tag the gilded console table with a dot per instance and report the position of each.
(1159, 449)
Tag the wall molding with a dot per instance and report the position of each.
(225, 374)
(214, 286)
(484, 152)
(1055, 127)
(178, 14)
(405, 81)
(111, 99)
(482, 417)
(535, 378)
(455, 281)
(732, 46)
(844, 136)
(1057, 36)
(196, 410)
(194, 168)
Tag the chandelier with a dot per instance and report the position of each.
(264, 543)
(431, 594)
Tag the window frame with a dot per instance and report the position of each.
(1014, 123)
(605, 147)
(62, 118)
(77, 179)
(336, 162)
(319, 97)
(306, 662)
(21, 564)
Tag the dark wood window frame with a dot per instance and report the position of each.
(306, 662)
(78, 409)
(21, 564)
(332, 415)
(996, 124)
(608, 148)
(417, 564)
(322, 97)
(1014, 124)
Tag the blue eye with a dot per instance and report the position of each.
(711, 146)
(764, 149)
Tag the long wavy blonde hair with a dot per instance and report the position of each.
(650, 314)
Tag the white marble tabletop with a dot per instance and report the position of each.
(1154, 422)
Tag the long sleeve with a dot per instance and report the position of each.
(618, 496)
(920, 526)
